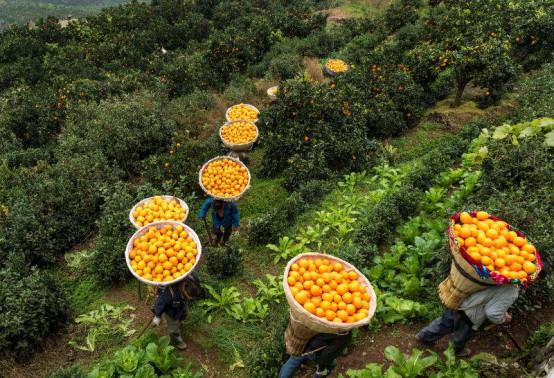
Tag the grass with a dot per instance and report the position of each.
(419, 140)
(363, 8)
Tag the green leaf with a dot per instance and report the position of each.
(502, 132)
(549, 139)
(146, 371)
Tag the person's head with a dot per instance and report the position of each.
(218, 205)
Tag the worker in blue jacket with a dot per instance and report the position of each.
(224, 215)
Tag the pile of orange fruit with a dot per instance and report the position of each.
(492, 243)
(239, 132)
(162, 255)
(336, 65)
(327, 290)
(224, 178)
(243, 112)
(158, 209)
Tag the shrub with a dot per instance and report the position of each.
(267, 358)
(114, 229)
(32, 306)
(224, 261)
(535, 94)
(268, 227)
(124, 130)
(239, 89)
(285, 66)
(85, 292)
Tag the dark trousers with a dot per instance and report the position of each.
(452, 321)
(219, 235)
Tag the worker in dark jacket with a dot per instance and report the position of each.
(322, 349)
(488, 305)
(224, 215)
(171, 301)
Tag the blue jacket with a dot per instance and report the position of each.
(230, 214)
(171, 301)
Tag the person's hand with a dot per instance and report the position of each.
(156, 321)
(507, 317)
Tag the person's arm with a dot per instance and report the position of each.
(205, 208)
(497, 308)
(235, 215)
(333, 349)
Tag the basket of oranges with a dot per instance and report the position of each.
(242, 112)
(238, 135)
(486, 251)
(163, 253)
(335, 67)
(157, 209)
(327, 294)
(224, 178)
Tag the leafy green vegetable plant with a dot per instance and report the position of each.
(106, 322)
(220, 302)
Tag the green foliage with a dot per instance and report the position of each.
(268, 227)
(224, 261)
(148, 357)
(266, 359)
(85, 292)
(270, 291)
(220, 302)
(32, 306)
(103, 326)
(417, 364)
(114, 228)
(286, 249)
(239, 89)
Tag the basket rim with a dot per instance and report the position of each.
(165, 196)
(242, 103)
(322, 321)
(227, 199)
(143, 230)
(482, 270)
(242, 145)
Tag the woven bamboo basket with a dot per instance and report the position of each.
(297, 336)
(468, 276)
(322, 325)
(167, 198)
(227, 199)
(239, 147)
(159, 225)
(272, 93)
(247, 105)
(329, 72)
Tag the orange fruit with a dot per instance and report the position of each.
(492, 233)
(302, 297)
(476, 256)
(465, 232)
(319, 312)
(470, 242)
(530, 248)
(499, 263)
(342, 289)
(515, 267)
(482, 215)
(316, 291)
(531, 257)
(330, 315)
(485, 260)
(519, 241)
(529, 267)
(347, 297)
(465, 218)
(310, 307)
(483, 226)
(342, 315)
